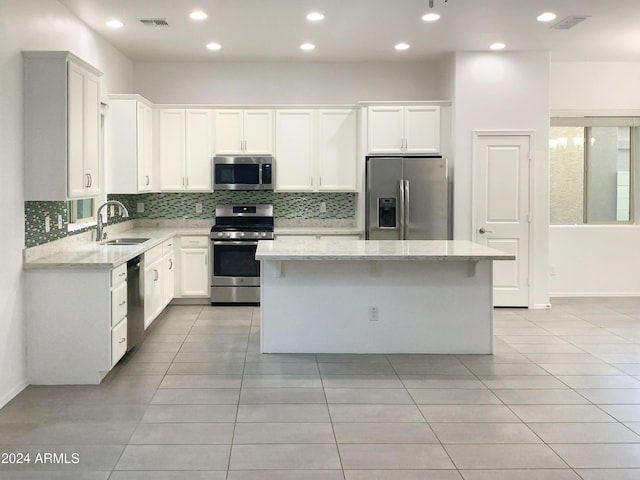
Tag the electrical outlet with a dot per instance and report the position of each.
(323, 207)
(374, 315)
(59, 222)
(47, 224)
(112, 210)
(140, 207)
(199, 207)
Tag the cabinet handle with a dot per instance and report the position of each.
(122, 303)
(123, 274)
(157, 275)
(170, 264)
(122, 340)
(320, 181)
(311, 181)
(148, 180)
(187, 177)
(206, 261)
(88, 184)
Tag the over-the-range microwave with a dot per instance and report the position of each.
(239, 172)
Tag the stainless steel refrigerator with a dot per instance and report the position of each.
(407, 198)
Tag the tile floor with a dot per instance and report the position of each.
(559, 400)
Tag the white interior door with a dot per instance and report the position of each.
(502, 211)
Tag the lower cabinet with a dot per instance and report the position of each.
(194, 266)
(153, 284)
(76, 328)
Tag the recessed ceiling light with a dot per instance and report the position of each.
(315, 16)
(431, 17)
(198, 15)
(402, 46)
(115, 24)
(214, 46)
(307, 47)
(497, 46)
(546, 17)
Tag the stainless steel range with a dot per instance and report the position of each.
(235, 276)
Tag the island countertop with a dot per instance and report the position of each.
(374, 250)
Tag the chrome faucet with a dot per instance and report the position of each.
(125, 214)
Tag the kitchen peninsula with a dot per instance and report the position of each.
(376, 296)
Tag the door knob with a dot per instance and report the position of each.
(483, 231)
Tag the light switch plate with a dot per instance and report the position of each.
(199, 207)
(47, 224)
(112, 210)
(323, 207)
(140, 207)
(59, 222)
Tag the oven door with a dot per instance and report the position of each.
(235, 264)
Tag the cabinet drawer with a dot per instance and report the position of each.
(118, 341)
(195, 242)
(152, 255)
(167, 247)
(118, 303)
(119, 275)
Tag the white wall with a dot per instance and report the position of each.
(32, 25)
(286, 83)
(595, 259)
(504, 91)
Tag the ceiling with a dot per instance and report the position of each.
(362, 30)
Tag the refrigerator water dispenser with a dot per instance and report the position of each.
(387, 212)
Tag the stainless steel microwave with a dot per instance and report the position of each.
(243, 173)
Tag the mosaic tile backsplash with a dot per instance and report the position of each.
(289, 206)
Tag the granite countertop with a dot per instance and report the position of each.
(97, 256)
(318, 230)
(439, 250)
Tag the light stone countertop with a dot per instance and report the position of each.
(373, 250)
(319, 230)
(93, 255)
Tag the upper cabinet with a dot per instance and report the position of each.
(131, 144)
(316, 150)
(398, 129)
(244, 132)
(185, 149)
(62, 127)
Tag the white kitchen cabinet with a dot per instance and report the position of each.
(185, 149)
(194, 266)
(399, 129)
(295, 150)
(131, 144)
(316, 150)
(244, 132)
(153, 285)
(62, 127)
(168, 273)
(77, 328)
(336, 150)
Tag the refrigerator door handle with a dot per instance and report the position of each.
(401, 213)
(407, 204)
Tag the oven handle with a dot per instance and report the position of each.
(233, 242)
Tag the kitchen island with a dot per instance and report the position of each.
(376, 296)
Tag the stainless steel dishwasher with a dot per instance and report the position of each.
(135, 301)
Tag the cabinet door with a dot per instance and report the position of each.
(77, 181)
(229, 137)
(169, 279)
(145, 147)
(385, 129)
(198, 150)
(194, 273)
(337, 150)
(91, 126)
(152, 292)
(172, 149)
(422, 129)
(294, 150)
(258, 132)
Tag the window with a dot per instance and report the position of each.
(80, 212)
(591, 171)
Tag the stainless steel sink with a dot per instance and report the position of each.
(125, 241)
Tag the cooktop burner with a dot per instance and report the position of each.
(243, 222)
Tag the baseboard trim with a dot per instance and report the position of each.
(541, 306)
(6, 398)
(594, 294)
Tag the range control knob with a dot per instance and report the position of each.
(263, 234)
(241, 234)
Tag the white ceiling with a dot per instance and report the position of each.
(362, 30)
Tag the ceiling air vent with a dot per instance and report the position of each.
(569, 22)
(154, 22)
